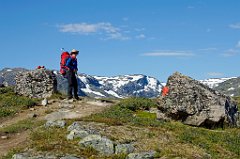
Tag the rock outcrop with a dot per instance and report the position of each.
(196, 104)
(39, 83)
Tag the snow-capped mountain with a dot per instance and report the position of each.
(115, 87)
(214, 82)
(121, 86)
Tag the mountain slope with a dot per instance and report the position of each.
(230, 87)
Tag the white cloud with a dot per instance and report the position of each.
(170, 53)
(230, 52)
(238, 44)
(107, 29)
(235, 26)
(140, 36)
(215, 74)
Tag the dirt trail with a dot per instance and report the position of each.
(80, 109)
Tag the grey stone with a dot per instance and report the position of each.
(82, 127)
(142, 155)
(61, 115)
(28, 156)
(70, 157)
(44, 102)
(20, 156)
(124, 148)
(162, 116)
(101, 144)
(77, 134)
(193, 103)
(39, 83)
(57, 123)
(32, 115)
(75, 126)
(4, 137)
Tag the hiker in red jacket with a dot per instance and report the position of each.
(71, 64)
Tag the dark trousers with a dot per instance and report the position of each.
(72, 84)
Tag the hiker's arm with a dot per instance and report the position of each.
(68, 63)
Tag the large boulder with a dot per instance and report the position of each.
(39, 83)
(195, 104)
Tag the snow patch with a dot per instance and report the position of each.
(230, 89)
(214, 82)
(88, 90)
(113, 93)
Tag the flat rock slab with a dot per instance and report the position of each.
(62, 115)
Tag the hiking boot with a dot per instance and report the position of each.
(69, 98)
(77, 98)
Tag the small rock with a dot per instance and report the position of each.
(32, 109)
(32, 115)
(124, 149)
(207, 156)
(69, 157)
(142, 155)
(77, 134)
(44, 102)
(58, 123)
(20, 156)
(99, 143)
(62, 115)
(162, 116)
(4, 137)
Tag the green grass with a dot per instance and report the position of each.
(11, 153)
(145, 114)
(58, 95)
(135, 104)
(10, 103)
(54, 140)
(20, 126)
(169, 139)
(218, 143)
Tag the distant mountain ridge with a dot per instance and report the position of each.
(214, 82)
(136, 85)
(98, 86)
(228, 86)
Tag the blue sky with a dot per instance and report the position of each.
(199, 38)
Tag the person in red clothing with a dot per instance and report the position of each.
(165, 91)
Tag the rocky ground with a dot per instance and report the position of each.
(56, 110)
(192, 121)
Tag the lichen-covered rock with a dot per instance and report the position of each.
(39, 83)
(124, 148)
(77, 134)
(70, 157)
(57, 123)
(99, 143)
(195, 104)
(142, 155)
